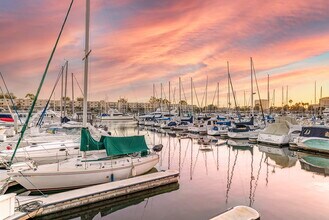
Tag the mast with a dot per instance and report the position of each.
(169, 100)
(282, 97)
(244, 98)
(180, 98)
(315, 92)
(273, 101)
(154, 97)
(206, 95)
(192, 96)
(85, 79)
(287, 100)
(217, 96)
(252, 89)
(228, 89)
(72, 95)
(268, 92)
(62, 88)
(65, 90)
(161, 101)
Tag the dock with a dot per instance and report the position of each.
(54, 203)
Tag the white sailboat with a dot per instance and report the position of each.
(124, 156)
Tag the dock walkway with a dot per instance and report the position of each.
(84, 196)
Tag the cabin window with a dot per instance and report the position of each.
(62, 149)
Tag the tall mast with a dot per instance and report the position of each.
(62, 91)
(65, 88)
(244, 98)
(252, 89)
(228, 88)
(268, 92)
(282, 97)
(154, 97)
(161, 99)
(180, 97)
(72, 95)
(169, 100)
(206, 95)
(287, 99)
(85, 80)
(315, 92)
(192, 96)
(217, 96)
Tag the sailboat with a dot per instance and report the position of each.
(115, 158)
(123, 157)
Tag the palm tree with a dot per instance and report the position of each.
(30, 96)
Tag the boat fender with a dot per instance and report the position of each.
(133, 171)
(112, 177)
(157, 148)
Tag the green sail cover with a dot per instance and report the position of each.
(88, 143)
(113, 145)
(124, 145)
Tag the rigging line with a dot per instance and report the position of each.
(231, 177)
(4, 97)
(251, 179)
(11, 98)
(213, 99)
(32, 184)
(260, 101)
(233, 93)
(256, 182)
(52, 92)
(185, 153)
(184, 93)
(78, 84)
(41, 83)
(196, 95)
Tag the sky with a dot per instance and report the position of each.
(137, 43)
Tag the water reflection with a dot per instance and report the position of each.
(314, 163)
(102, 209)
(215, 176)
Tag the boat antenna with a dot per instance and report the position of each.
(41, 83)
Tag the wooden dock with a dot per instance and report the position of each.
(44, 205)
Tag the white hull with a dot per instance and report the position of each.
(273, 139)
(43, 153)
(242, 135)
(197, 130)
(217, 133)
(117, 118)
(75, 173)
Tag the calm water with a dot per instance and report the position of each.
(215, 178)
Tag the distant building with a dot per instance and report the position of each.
(324, 102)
(265, 103)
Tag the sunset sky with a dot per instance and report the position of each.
(137, 43)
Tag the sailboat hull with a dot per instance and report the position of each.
(76, 173)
